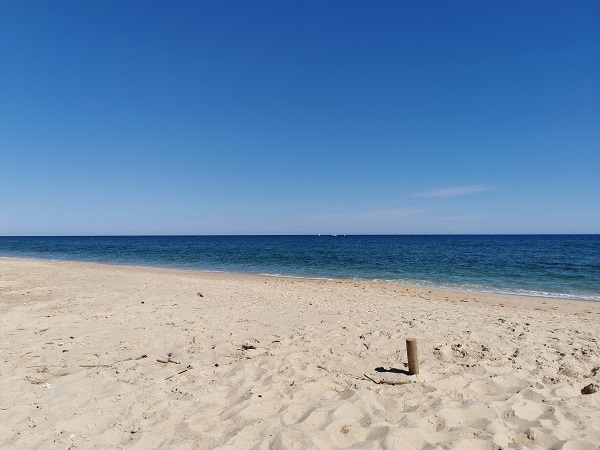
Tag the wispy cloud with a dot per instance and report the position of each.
(457, 191)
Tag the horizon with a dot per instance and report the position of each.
(299, 118)
(297, 235)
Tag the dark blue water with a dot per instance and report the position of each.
(566, 266)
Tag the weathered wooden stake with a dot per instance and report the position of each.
(413, 359)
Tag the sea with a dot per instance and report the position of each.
(560, 266)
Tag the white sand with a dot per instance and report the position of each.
(80, 342)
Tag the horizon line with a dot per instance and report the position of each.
(303, 234)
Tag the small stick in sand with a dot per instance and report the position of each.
(113, 363)
(390, 383)
(89, 366)
(369, 378)
(178, 372)
(413, 360)
(165, 361)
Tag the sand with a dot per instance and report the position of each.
(285, 363)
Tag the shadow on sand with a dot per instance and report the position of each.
(392, 370)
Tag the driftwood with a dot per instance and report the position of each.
(166, 361)
(178, 372)
(413, 359)
(389, 383)
(88, 366)
(338, 373)
(113, 363)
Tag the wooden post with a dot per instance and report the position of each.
(413, 359)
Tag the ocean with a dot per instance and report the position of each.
(562, 266)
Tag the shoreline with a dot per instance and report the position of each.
(294, 277)
(99, 355)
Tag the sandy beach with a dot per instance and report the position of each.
(100, 356)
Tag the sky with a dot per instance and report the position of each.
(299, 117)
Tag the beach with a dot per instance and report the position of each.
(106, 356)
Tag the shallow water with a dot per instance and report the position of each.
(565, 266)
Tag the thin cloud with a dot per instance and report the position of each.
(457, 191)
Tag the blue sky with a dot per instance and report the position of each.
(299, 116)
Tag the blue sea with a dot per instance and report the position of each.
(563, 266)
